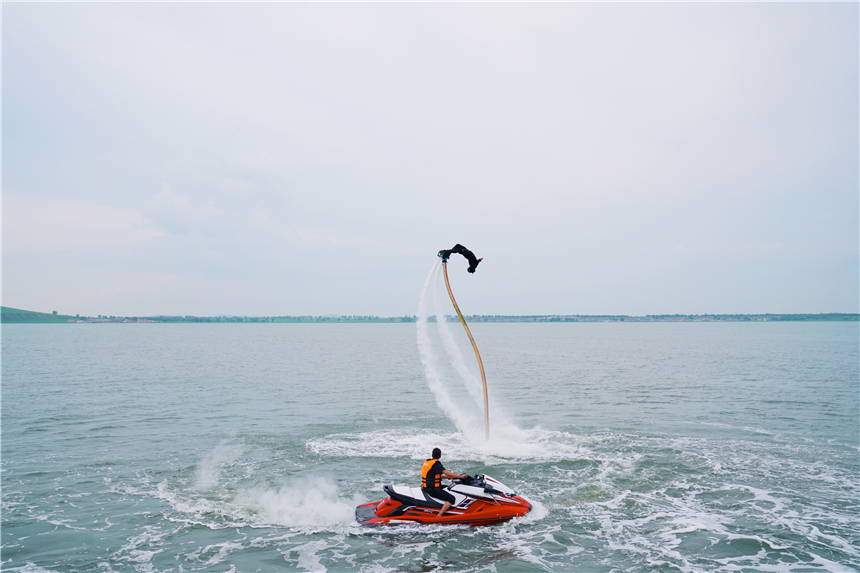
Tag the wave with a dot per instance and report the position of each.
(509, 445)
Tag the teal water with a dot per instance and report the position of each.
(233, 447)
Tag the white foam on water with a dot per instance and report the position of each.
(655, 524)
(309, 560)
(384, 444)
(538, 512)
(30, 567)
(511, 445)
(308, 502)
(217, 553)
(139, 550)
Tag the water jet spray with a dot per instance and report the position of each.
(473, 264)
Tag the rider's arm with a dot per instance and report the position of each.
(451, 475)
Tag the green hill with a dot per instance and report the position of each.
(16, 315)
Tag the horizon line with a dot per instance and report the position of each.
(10, 314)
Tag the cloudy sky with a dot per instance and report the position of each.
(299, 158)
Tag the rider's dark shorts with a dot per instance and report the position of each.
(439, 493)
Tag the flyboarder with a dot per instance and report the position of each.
(470, 256)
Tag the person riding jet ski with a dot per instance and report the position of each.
(431, 480)
(478, 500)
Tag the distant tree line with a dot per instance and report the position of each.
(13, 315)
(281, 319)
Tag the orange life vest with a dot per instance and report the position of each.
(425, 469)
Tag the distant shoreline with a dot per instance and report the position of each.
(18, 316)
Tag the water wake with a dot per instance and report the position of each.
(507, 446)
(307, 502)
(220, 496)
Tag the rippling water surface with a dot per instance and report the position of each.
(246, 447)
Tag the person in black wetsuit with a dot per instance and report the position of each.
(470, 256)
(432, 473)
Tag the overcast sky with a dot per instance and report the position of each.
(301, 158)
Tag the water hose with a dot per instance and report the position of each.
(475, 348)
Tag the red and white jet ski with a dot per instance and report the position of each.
(479, 500)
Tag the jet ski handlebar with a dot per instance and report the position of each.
(479, 481)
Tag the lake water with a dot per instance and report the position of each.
(245, 447)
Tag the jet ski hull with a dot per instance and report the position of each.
(484, 501)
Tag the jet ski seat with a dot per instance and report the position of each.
(416, 496)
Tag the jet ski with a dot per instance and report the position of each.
(478, 500)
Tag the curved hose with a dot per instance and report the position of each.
(477, 354)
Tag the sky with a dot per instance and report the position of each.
(273, 159)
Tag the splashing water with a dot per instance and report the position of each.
(221, 495)
(311, 502)
(467, 416)
(462, 420)
(209, 468)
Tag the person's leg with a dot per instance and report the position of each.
(445, 507)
